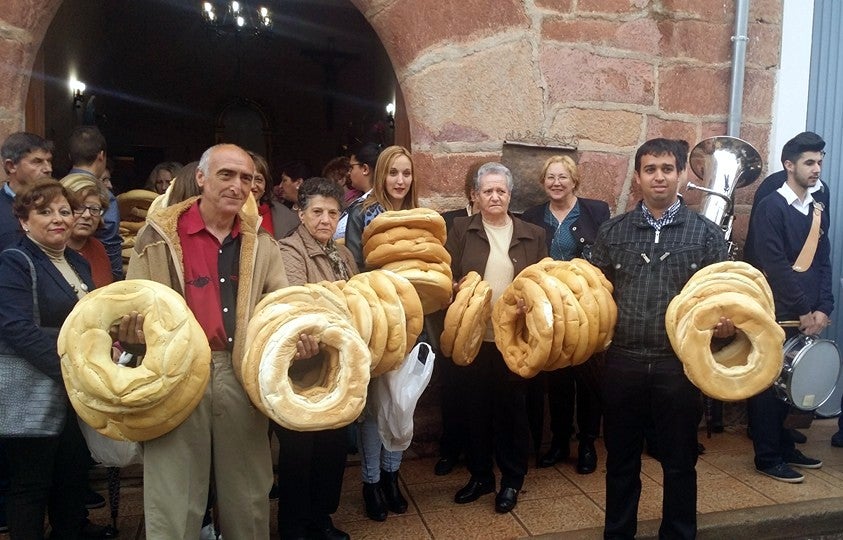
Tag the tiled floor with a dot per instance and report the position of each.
(555, 499)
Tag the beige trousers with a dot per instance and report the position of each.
(226, 432)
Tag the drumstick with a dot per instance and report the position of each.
(791, 324)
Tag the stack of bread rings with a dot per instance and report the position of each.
(753, 360)
(145, 402)
(466, 320)
(411, 243)
(366, 327)
(569, 315)
(133, 206)
(324, 392)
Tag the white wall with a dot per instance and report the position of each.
(790, 107)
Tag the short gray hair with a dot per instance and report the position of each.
(493, 167)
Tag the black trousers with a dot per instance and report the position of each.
(47, 475)
(770, 440)
(454, 426)
(638, 395)
(494, 399)
(766, 414)
(310, 471)
(564, 388)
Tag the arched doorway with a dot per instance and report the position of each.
(321, 78)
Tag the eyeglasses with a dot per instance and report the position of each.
(351, 165)
(95, 211)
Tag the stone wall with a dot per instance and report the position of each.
(609, 73)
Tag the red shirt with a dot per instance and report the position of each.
(210, 277)
(94, 253)
(265, 212)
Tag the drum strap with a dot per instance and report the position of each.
(806, 256)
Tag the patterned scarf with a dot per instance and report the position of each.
(337, 264)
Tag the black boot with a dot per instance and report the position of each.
(392, 492)
(586, 457)
(374, 500)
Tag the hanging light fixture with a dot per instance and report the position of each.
(237, 16)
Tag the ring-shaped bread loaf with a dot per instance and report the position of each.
(472, 327)
(390, 236)
(396, 336)
(455, 312)
(380, 325)
(416, 218)
(693, 339)
(166, 386)
(333, 394)
(725, 268)
(410, 301)
(423, 249)
(524, 339)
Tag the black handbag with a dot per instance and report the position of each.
(31, 403)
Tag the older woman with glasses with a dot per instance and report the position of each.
(91, 200)
(570, 223)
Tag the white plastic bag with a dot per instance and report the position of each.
(396, 394)
(108, 452)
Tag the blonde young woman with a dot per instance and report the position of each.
(570, 223)
(393, 188)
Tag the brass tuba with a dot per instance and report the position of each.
(725, 164)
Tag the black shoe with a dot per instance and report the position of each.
(837, 439)
(586, 458)
(797, 436)
(395, 500)
(554, 456)
(473, 490)
(798, 459)
(444, 466)
(505, 500)
(93, 499)
(782, 473)
(375, 503)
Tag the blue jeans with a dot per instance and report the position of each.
(374, 456)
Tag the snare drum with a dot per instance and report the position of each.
(809, 372)
(831, 407)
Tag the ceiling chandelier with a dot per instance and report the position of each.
(237, 16)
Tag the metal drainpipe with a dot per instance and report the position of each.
(738, 64)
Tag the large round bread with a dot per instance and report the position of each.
(472, 327)
(329, 396)
(692, 343)
(587, 300)
(454, 315)
(410, 301)
(380, 325)
(416, 218)
(524, 340)
(725, 268)
(390, 236)
(134, 204)
(396, 337)
(423, 249)
(158, 394)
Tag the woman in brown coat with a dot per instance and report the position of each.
(311, 464)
